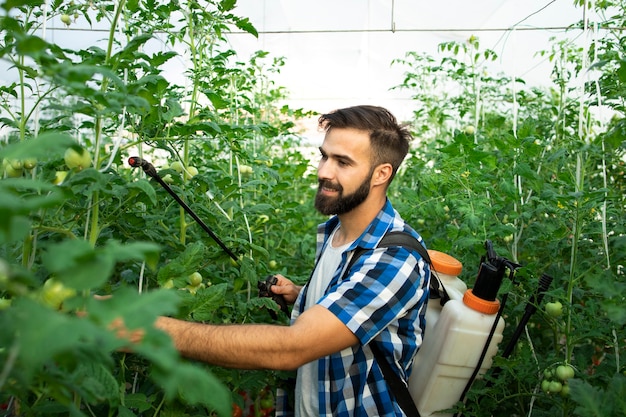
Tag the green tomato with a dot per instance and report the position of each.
(16, 164)
(469, 130)
(554, 309)
(545, 385)
(195, 279)
(245, 169)
(59, 177)
(564, 372)
(177, 166)
(12, 172)
(273, 264)
(267, 403)
(80, 159)
(54, 293)
(65, 18)
(555, 386)
(565, 391)
(191, 172)
(30, 163)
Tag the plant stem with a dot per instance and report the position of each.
(94, 212)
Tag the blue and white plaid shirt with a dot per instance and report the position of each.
(382, 300)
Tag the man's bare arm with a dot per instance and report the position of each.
(316, 333)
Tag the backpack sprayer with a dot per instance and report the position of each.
(463, 329)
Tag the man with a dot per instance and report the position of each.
(382, 300)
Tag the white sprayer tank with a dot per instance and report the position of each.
(453, 344)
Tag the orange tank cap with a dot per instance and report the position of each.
(444, 263)
(480, 305)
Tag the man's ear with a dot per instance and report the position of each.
(382, 174)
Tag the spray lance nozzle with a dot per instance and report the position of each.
(491, 273)
(264, 286)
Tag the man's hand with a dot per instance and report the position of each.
(286, 288)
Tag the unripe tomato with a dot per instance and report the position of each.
(565, 391)
(245, 169)
(177, 166)
(545, 385)
(54, 293)
(30, 163)
(195, 279)
(191, 172)
(59, 177)
(273, 264)
(65, 18)
(16, 164)
(12, 172)
(470, 130)
(564, 372)
(555, 386)
(554, 309)
(80, 159)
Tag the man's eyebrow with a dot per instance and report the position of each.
(344, 158)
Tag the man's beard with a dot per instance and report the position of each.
(341, 204)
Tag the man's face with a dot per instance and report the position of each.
(344, 171)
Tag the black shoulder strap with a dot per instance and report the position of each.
(392, 239)
(397, 386)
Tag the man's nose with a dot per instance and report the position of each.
(325, 170)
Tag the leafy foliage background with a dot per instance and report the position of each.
(545, 184)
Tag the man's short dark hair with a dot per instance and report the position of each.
(388, 139)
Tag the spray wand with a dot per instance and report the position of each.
(264, 286)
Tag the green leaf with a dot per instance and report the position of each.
(10, 4)
(136, 400)
(76, 264)
(38, 344)
(195, 386)
(246, 25)
(30, 45)
(207, 301)
(121, 252)
(94, 383)
(44, 147)
(185, 264)
(144, 187)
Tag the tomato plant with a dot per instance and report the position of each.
(545, 183)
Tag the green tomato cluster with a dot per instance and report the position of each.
(14, 168)
(556, 380)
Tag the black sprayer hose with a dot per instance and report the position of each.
(148, 168)
(531, 308)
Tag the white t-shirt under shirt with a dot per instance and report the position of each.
(307, 376)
